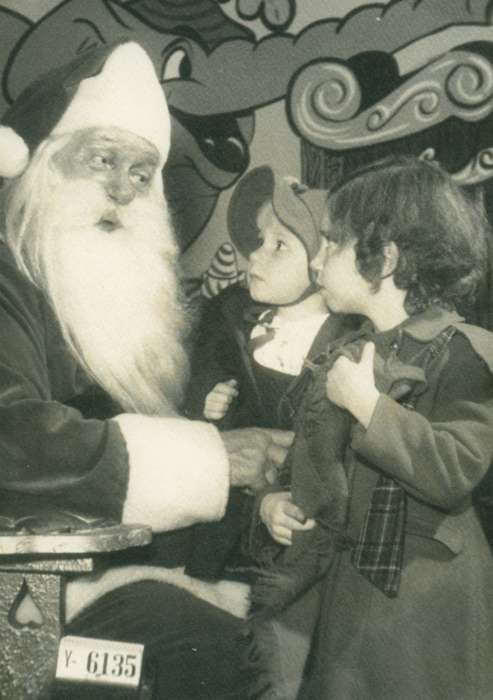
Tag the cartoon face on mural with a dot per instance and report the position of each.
(406, 75)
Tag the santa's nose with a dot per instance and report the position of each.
(119, 188)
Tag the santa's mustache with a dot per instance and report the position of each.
(94, 210)
(110, 220)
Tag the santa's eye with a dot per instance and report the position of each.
(177, 66)
(141, 179)
(142, 174)
(100, 161)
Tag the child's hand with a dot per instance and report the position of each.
(219, 399)
(281, 516)
(351, 385)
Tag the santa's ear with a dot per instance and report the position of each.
(390, 259)
(14, 153)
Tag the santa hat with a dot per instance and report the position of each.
(111, 86)
(298, 208)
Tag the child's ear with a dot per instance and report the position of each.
(390, 258)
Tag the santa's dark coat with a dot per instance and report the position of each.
(165, 472)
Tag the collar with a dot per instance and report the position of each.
(270, 319)
(424, 326)
(253, 313)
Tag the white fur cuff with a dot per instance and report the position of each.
(178, 472)
(231, 596)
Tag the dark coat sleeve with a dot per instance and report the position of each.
(216, 357)
(212, 355)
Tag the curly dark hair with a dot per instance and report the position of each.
(439, 231)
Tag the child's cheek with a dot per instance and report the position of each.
(324, 276)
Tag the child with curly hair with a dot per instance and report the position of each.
(407, 609)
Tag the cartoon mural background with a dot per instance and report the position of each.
(313, 87)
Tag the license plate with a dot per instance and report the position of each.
(99, 661)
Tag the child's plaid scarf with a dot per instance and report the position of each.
(379, 551)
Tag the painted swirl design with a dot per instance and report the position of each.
(325, 102)
(470, 83)
(479, 169)
(425, 103)
(323, 93)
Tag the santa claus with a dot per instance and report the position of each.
(92, 365)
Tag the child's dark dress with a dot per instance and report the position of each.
(223, 350)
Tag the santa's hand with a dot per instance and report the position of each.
(219, 399)
(253, 453)
(281, 516)
(351, 385)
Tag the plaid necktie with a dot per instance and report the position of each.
(379, 551)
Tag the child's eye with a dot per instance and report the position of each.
(280, 245)
(259, 242)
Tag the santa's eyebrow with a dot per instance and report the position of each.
(145, 165)
(103, 138)
(150, 158)
(109, 144)
(100, 144)
(98, 147)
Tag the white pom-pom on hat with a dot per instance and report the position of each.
(14, 153)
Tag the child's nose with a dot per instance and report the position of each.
(255, 255)
(316, 262)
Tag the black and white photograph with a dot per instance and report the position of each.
(246, 350)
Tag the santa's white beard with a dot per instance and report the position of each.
(114, 292)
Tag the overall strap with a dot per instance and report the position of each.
(434, 350)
